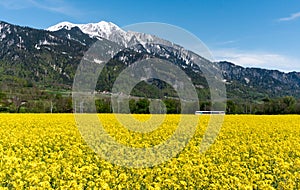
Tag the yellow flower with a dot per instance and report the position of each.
(47, 151)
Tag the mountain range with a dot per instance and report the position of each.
(48, 59)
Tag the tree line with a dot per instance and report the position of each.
(268, 106)
(37, 101)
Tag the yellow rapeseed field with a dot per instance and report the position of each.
(45, 151)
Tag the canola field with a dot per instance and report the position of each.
(46, 151)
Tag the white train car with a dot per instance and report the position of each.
(209, 112)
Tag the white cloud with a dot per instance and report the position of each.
(227, 42)
(58, 6)
(291, 17)
(15, 4)
(258, 59)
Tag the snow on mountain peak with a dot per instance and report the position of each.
(61, 25)
(112, 32)
(101, 29)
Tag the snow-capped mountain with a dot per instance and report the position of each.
(101, 29)
(51, 57)
(112, 32)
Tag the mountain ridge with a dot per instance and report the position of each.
(84, 28)
(54, 54)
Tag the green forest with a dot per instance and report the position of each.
(33, 100)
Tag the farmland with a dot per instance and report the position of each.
(45, 151)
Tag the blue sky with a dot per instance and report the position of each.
(253, 33)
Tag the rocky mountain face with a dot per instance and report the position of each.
(38, 56)
(261, 82)
(49, 58)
